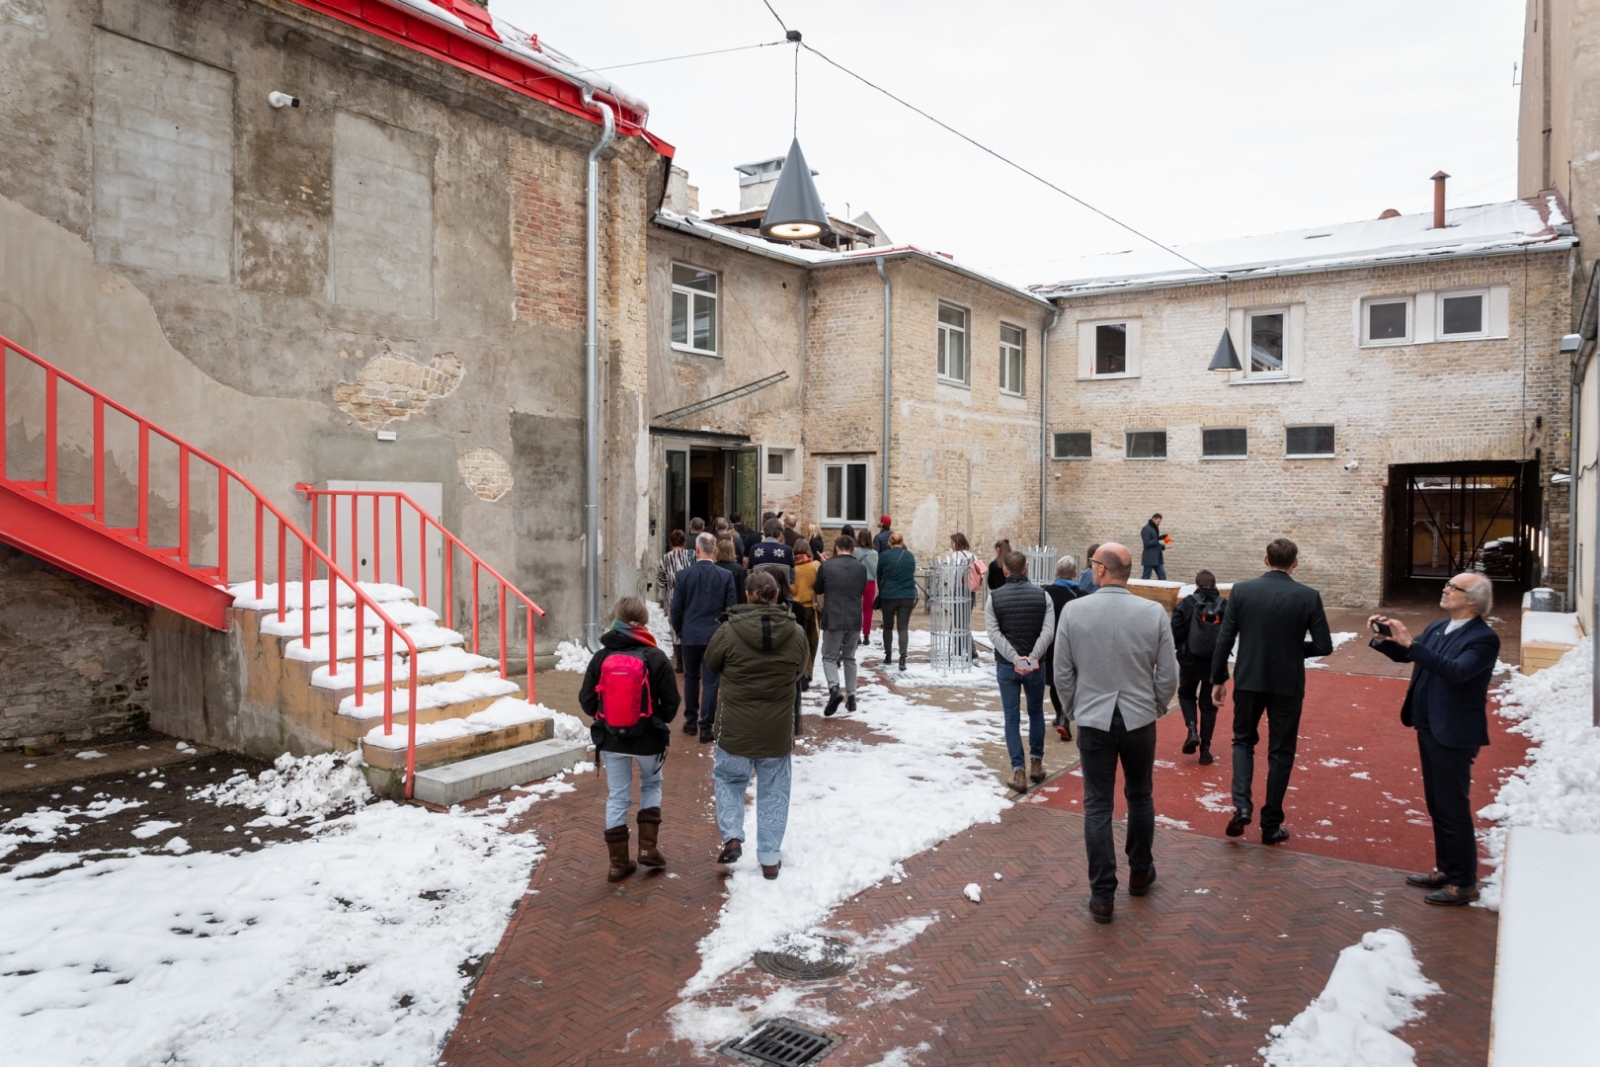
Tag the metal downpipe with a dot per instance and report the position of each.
(591, 376)
(1044, 424)
(883, 477)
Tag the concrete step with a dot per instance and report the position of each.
(507, 723)
(478, 686)
(452, 783)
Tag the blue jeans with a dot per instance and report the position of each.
(619, 780)
(1159, 569)
(732, 776)
(1012, 686)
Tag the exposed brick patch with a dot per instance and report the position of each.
(392, 386)
(486, 473)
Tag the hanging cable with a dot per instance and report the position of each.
(1008, 162)
(777, 16)
(691, 55)
(796, 90)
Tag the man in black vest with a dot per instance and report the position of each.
(1270, 617)
(1022, 623)
(1453, 662)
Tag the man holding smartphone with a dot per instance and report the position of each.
(1447, 704)
(1021, 617)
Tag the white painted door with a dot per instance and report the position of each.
(375, 558)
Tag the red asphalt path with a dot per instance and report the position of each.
(1356, 791)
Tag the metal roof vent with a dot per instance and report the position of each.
(783, 1042)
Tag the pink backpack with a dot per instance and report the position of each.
(624, 689)
(976, 575)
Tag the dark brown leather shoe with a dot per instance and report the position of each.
(1036, 771)
(769, 871)
(1275, 836)
(1237, 824)
(1435, 880)
(1139, 882)
(731, 851)
(1453, 896)
(1101, 912)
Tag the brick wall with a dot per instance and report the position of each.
(1495, 399)
(75, 657)
(547, 222)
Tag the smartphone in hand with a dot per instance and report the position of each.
(1382, 628)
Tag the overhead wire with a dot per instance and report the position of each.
(690, 55)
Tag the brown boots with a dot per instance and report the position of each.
(622, 864)
(649, 827)
(1036, 771)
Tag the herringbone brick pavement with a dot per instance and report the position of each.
(1232, 939)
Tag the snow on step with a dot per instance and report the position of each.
(451, 659)
(403, 612)
(452, 783)
(424, 636)
(438, 695)
(244, 594)
(502, 714)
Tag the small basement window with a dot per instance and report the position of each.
(1111, 348)
(1386, 322)
(1226, 443)
(1463, 315)
(1146, 444)
(1308, 441)
(1071, 445)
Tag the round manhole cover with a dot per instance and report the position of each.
(806, 957)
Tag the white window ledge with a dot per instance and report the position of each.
(1317, 455)
(1264, 381)
(1222, 459)
(1107, 377)
(953, 383)
(676, 347)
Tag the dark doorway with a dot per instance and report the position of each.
(1447, 518)
(702, 483)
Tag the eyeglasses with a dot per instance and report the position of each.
(1457, 588)
(1097, 563)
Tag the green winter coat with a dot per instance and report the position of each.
(760, 652)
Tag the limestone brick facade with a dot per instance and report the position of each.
(1500, 398)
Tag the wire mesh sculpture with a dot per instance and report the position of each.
(949, 616)
(1041, 564)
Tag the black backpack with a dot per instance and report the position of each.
(1204, 627)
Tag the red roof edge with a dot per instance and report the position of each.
(479, 50)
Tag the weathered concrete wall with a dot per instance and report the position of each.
(962, 458)
(75, 657)
(1493, 399)
(403, 252)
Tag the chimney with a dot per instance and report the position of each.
(1438, 199)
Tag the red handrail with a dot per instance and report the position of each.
(180, 557)
(451, 544)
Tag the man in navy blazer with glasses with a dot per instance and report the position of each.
(1447, 704)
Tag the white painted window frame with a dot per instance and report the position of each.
(1288, 342)
(1133, 330)
(1482, 292)
(844, 465)
(1409, 300)
(1127, 433)
(1310, 455)
(945, 330)
(692, 295)
(1007, 349)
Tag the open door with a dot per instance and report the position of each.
(674, 495)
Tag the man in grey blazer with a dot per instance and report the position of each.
(1117, 671)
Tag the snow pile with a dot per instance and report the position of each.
(345, 948)
(1559, 787)
(973, 892)
(856, 811)
(1338, 639)
(1372, 991)
(661, 627)
(571, 656)
(312, 787)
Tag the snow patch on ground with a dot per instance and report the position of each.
(47, 824)
(973, 892)
(1338, 639)
(902, 1057)
(856, 811)
(1559, 787)
(571, 656)
(1373, 990)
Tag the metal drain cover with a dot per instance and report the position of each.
(806, 958)
(781, 1041)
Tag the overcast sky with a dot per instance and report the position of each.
(1187, 120)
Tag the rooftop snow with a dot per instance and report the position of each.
(1536, 223)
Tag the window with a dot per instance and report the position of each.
(953, 345)
(1463, 315)
(777, 465)
(1266, 344)
(1308, 441)
(1010, 359)
(1070, 446)
(1229, 443)
(1111, 348)
(694, 310)
(1386, 322)
(844, 493)
(1147, 444)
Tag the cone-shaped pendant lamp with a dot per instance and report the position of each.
(1226, 357)
(795, 212)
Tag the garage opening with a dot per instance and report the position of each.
(1444, 519)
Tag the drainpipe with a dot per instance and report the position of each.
(1044, 422)
(883, 495)
(1576, 347)
(591, 384)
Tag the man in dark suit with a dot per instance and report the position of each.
(1270, 617)
(701, 593)
(1447, 704)
(1154, 556)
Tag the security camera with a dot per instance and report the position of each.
(283, 100)
(1352, 465)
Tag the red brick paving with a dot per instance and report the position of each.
(586, 971)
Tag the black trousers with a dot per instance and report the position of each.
(1447, 787)
(1101, 751)
(697, 707)
(896, 616)
(1283, 732)
(1189, 682)
(1050, 683)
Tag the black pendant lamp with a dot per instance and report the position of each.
(1226, 357)
(795, 212)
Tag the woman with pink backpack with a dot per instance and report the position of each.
(632, 694)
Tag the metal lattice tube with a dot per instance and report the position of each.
(949, 615)
(1041, 564)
